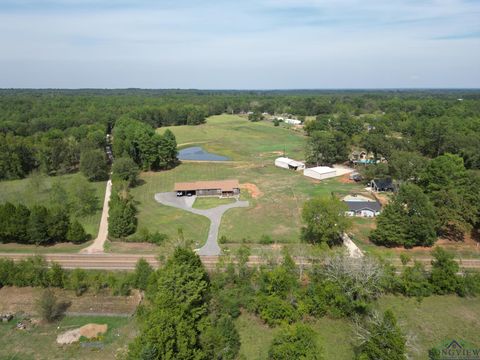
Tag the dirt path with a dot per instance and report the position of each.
(97, 245)
(353, 250)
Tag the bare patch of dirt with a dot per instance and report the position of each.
(90, 331)
(345, 179)
(252, 189)
(15, 300)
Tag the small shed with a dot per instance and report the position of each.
(286, 163)
(320, 172)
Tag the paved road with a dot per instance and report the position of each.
(97, 245)
(215, 215)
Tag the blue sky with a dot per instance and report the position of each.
(245, 44)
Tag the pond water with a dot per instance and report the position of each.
(199, 154)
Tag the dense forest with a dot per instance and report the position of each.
(50, 129)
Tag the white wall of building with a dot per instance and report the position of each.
(320, 172)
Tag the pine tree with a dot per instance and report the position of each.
(37, 226)
(76, 233)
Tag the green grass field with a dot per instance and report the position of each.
(275, 213)
(39, 342)
(211, 202)
(241, 140)
(31, 192)
(428, 323)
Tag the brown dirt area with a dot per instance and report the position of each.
(15, 299)
(252, 189)
(90, 331)
(345, 179)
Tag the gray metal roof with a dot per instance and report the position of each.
(374, 206)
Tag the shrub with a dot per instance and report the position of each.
(275, 311)
(294, 342)
(266, 239)
(49, 308)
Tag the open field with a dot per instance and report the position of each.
(31, 192)
(241, 140)
(39, 342)
(429, 322)
(275, 213)
(334, 336)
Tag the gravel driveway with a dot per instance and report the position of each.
(215, 215)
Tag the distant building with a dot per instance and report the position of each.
(208, 188)
(363, 208)
(292, 121)
(382, 185)
(286, 163)
(320, 172)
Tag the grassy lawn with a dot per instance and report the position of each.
(30, 193)
(429, 323)
(436, 319)
(334, 337)
(39, 341)
(276, 212)
(211, 202)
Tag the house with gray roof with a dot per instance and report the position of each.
(363, 208)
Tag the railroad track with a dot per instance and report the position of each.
(110, 261)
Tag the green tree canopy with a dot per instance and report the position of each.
(324, 220)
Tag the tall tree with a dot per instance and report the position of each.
(93, 164)
(325, 220)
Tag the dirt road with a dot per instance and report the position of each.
(97, 245)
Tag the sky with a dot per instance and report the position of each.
(243, 44)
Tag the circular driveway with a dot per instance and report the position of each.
(215, 215)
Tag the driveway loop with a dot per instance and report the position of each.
(215, 215)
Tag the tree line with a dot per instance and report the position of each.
(442, 199)
(35, 271)
(38, 225)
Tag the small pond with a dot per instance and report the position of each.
(199, 154)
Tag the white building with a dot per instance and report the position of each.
(320, 172)
(286, 163)
(292, 121)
